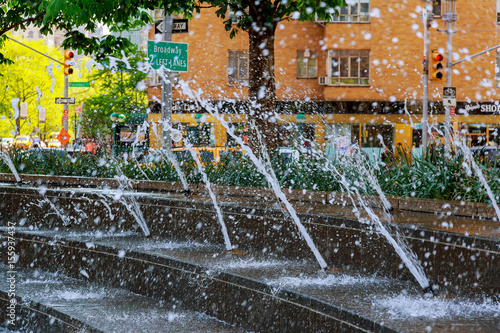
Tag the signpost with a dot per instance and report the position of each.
(172, 56)
(65, 100)
(79, 84)
(63, 137)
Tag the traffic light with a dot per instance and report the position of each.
(437, 66)
(68, 59)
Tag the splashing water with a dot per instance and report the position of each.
(59, 213)
(130, 202)
(266, 172)
(403, 306)
(325, 281)
(409, 258)
(479, 173)
(171, 158)
(11, 166)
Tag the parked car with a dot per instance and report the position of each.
(22, 142)
(488, 155)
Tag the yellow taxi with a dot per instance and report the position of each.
(22, 142)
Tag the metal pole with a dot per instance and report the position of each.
(468, 58)
(166, 90)
(425, 78)
(66, 106)
(450, 17)
(29, 47)
(447, 110)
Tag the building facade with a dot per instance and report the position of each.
(359, 76)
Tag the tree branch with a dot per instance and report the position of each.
(28, 20)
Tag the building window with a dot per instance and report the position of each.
(235, 17)
(237, 69)
(307, 64)
(437, 8)
(349, 67)
(355, 11)
(30, 34)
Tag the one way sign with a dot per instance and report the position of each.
(179, 26)
(449, 96)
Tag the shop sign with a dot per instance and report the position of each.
(488, 108)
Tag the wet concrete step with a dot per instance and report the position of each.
(396, 304)
(88, 307)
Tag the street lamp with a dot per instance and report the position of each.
(198, 118)
(117, 117)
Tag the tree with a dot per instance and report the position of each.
(65, 15)
(257, 17)
(36, 80)
(29, 79)
(260, 19)
(120, 91)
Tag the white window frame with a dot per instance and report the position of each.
(310, 60)
(353, 13)
(353, 61)
(241, 58)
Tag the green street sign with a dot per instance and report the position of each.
(80, 84)
(172, 56)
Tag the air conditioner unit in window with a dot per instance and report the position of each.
(322, 80)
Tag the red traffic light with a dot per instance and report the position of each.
(437, 56)
(68, 54)
(437, 66)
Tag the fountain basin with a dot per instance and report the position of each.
(255, 293)
(459, 254)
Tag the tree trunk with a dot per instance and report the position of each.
(262, 89)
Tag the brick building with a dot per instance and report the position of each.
(359, 77)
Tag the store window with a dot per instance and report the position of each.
(306, 64)
(241, 131)
(294, 135)
(237, 69)
(377, 136)
(199, 136)
(349, 67)
(354, 11)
